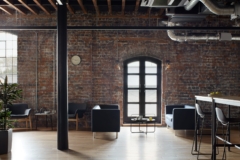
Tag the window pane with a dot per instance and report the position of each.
(2, 53)
(14, 53)
(2, 45)
(9, 45)
(14, 70)
(14, 78)
(2, 62)
(151, 110)
(2, 36)
(133, 81)
(133, 95)
(14, 61)
(14, 44)
(133, 110)
(9, 53)
(9, 61)
(150, 95)
(133, 67)
(10, 78)
(9, 70)
(150, 67)
(8, 36)
(3, 70)
(151, 81)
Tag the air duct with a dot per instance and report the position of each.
(201, 37)
(211, 6)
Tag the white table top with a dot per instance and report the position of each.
(228, 100)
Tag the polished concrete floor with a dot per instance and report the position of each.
(164, 144)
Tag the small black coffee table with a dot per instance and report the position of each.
(145, 121)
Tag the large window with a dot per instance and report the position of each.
(142, 88)
(8, 57)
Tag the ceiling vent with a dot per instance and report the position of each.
(163, 3)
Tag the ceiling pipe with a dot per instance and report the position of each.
(203, 37)
(211, 6)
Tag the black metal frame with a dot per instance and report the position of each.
(142, 103)
(119, 28)
(143, 122)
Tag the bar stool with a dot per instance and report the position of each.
(200, 117)
(225, 122)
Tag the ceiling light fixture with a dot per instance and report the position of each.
(59, 2)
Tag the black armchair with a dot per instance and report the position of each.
(180, 117)
(76, 113)
(106, 118)
(20, 112)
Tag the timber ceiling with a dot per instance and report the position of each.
(106, 7)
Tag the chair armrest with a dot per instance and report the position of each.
(183, 118)
(27, 111)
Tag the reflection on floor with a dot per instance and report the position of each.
(164, 144)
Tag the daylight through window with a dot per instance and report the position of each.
(8, 56)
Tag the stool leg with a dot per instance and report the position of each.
(200, 137)
(195, 135)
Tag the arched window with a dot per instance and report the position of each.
(142, 88)
(8, 56)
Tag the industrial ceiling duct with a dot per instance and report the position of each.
(201, 37)
(212, 7)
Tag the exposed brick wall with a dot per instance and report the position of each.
(196, 67)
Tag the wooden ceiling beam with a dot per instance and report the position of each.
(137, 5)
(10, 3)
(109, 7)
(7, 10)
(71, 10)
(24, 3)
(82, 6)
(161, 11)
(96, 6)
(123, 6)
(38, 2)
(53, 3)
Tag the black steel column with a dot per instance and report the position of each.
(62, 125)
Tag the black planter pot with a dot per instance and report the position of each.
(6, 141)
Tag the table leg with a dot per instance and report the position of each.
(36, 117)
(213, 131)
(51, 122)
(46, 122)
(229, 126)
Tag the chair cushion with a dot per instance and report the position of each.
(18, 116)
(71, 116)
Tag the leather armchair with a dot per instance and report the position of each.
(76, 113)
(106, 118)
(180, 117)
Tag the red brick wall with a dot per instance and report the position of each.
(196, 67)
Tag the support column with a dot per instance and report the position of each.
(62, 75)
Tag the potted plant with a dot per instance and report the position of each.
(9, 92)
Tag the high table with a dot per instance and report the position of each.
(226, 100)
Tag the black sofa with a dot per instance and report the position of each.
(180, 117)
(105, 118)
(21, 113)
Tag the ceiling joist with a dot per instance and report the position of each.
(82, 6)
(7, 10)
(71, 10)
(10, 3)
(53, 3)
(96, 6)
(137, 5)
(109, 7)
(123, 6)
(38, 2)
(24, 3)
